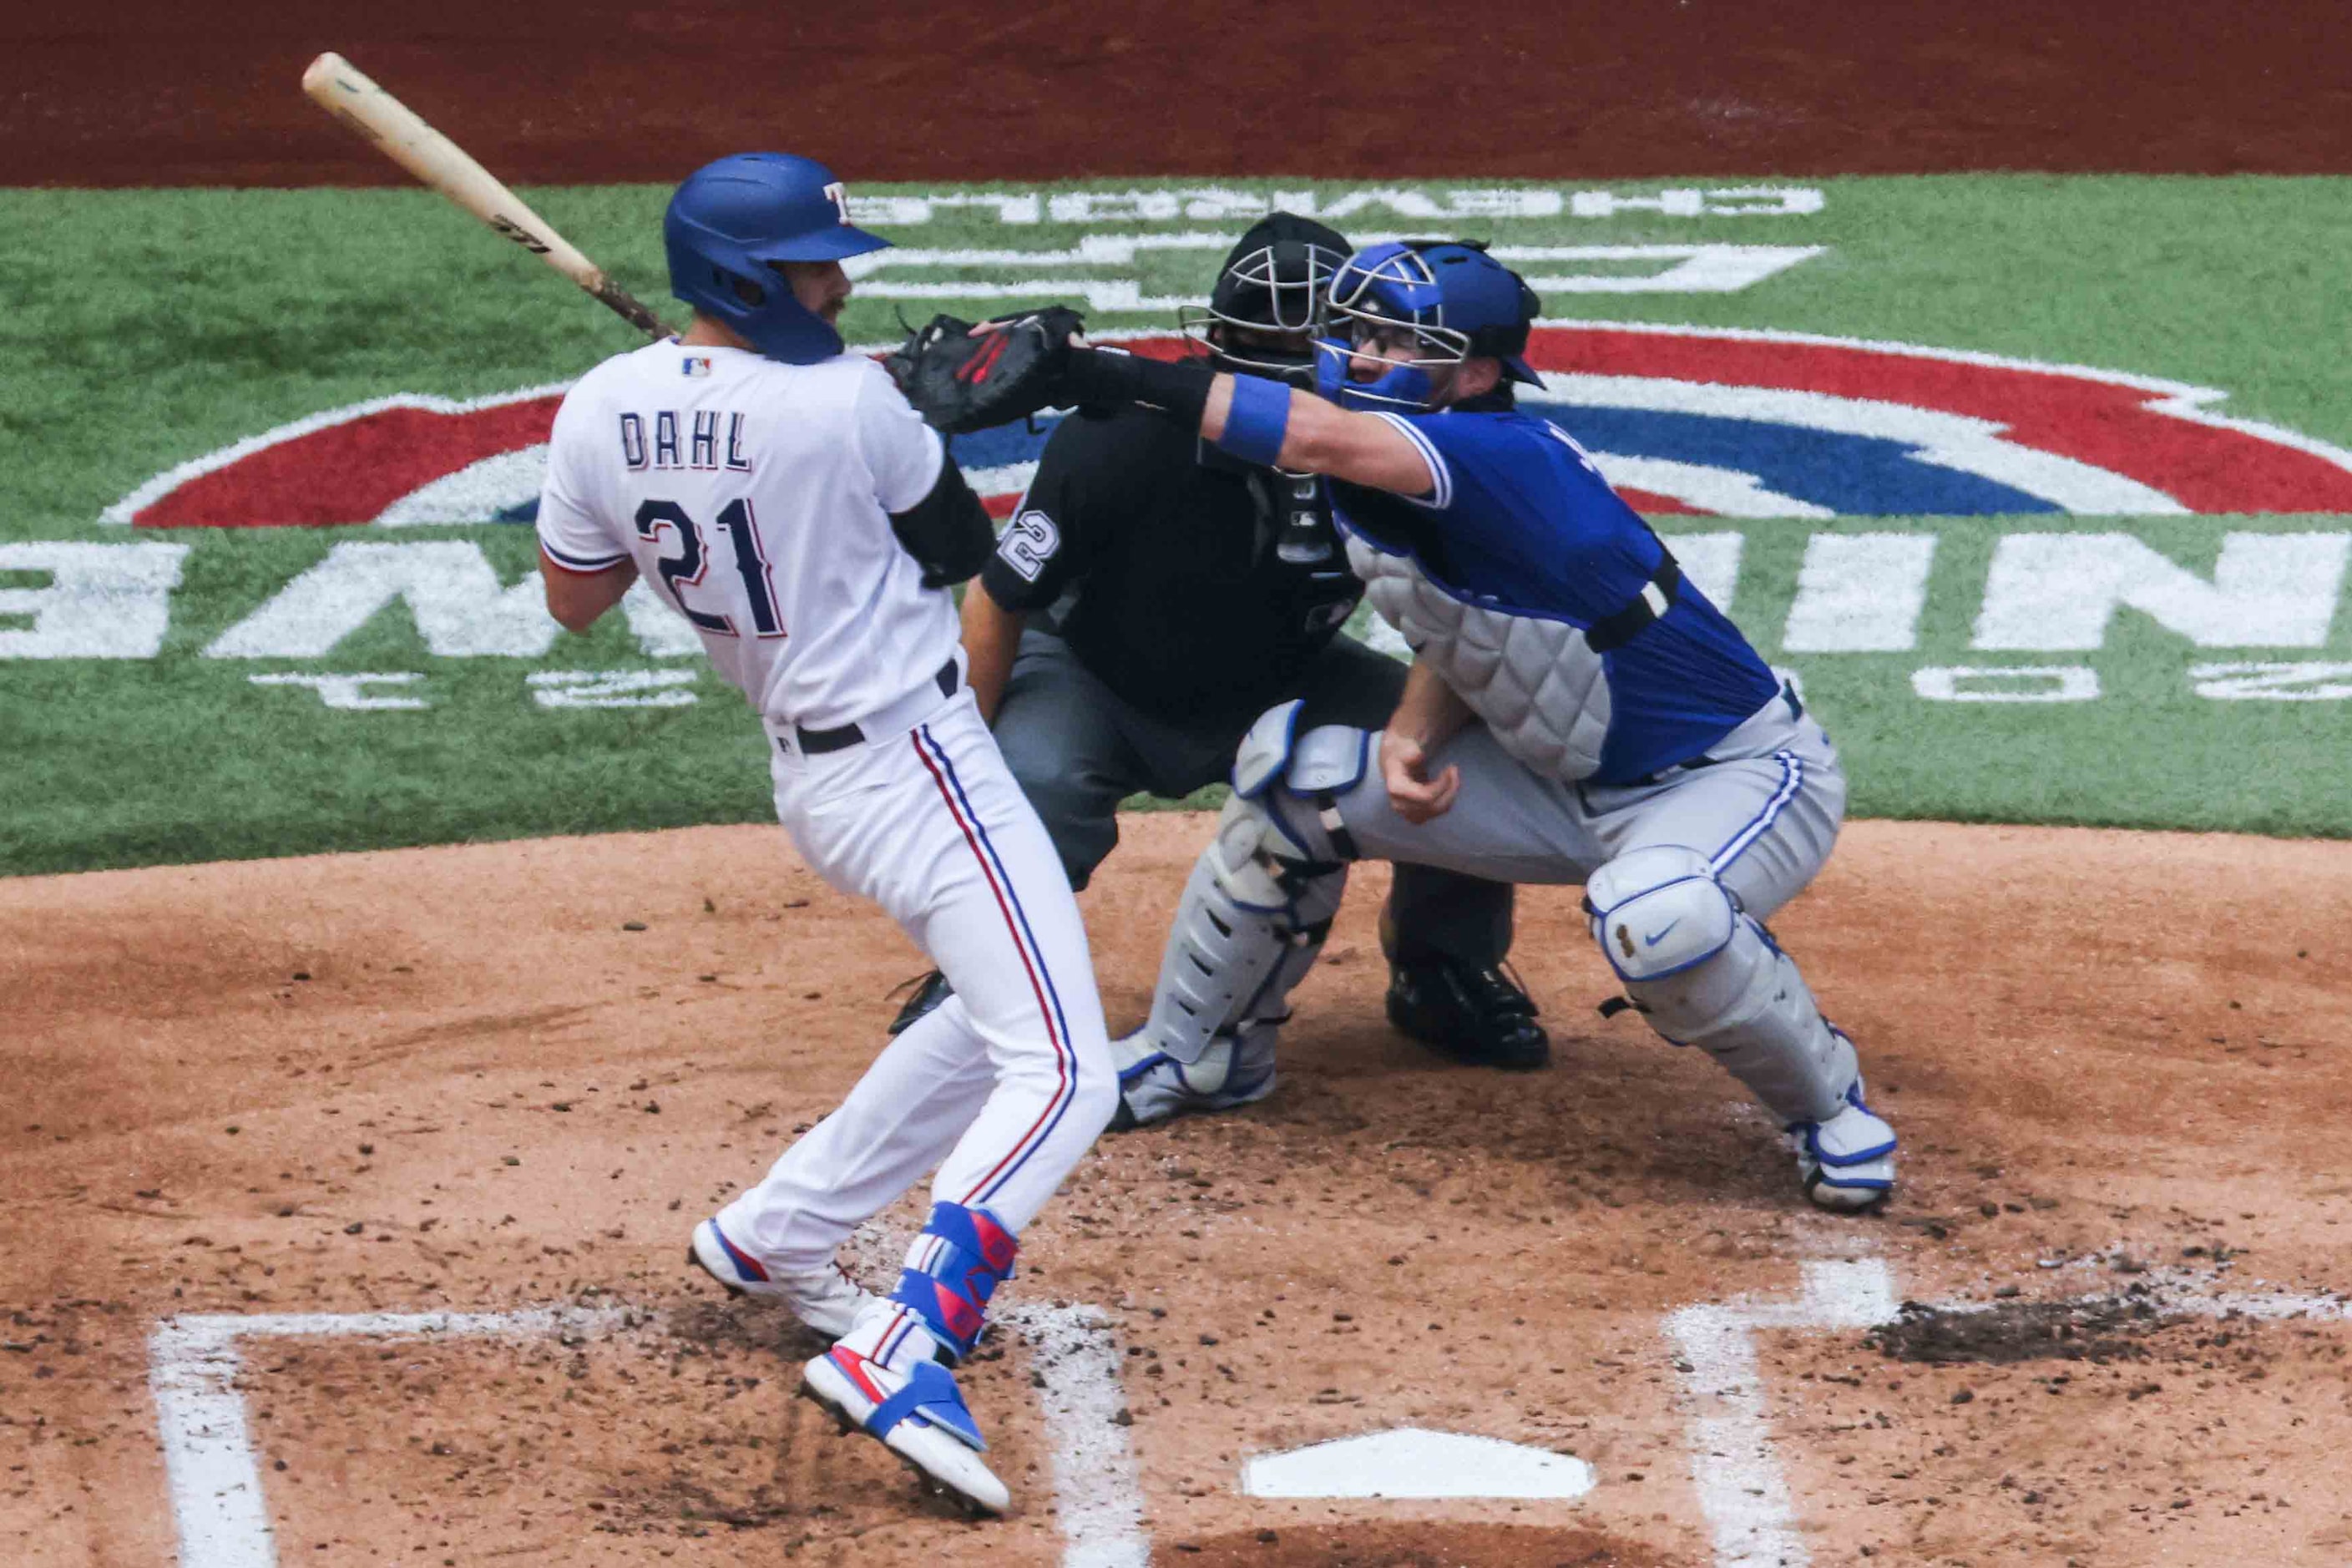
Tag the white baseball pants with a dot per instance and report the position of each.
(1003, 1087)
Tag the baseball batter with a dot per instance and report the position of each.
(784, 498)
(1576, 712)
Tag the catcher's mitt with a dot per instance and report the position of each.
(957, 381)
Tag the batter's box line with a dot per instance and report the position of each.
(1735, 1467)
(214, 1476)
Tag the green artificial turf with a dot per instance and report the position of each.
(152, 328)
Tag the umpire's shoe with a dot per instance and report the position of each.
(930, 992)
(1472, 1013)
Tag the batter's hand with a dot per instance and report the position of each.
(1416, 798)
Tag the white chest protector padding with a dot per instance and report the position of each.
(1536, 683)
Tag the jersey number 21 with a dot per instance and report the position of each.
(687, 568)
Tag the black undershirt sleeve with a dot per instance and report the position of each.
(947, 532)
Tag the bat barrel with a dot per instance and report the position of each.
(343, 91)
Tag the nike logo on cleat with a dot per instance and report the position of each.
(1653, 938)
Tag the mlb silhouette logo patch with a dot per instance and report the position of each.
(698, 365)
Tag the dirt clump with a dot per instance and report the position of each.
(1410, 1544)
(2103, 1329)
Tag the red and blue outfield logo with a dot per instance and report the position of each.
(1704, 421)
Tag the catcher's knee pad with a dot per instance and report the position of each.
(1261, 897)
(952, 1269)
(1707, 975)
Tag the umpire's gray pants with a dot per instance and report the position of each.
(1078, 749)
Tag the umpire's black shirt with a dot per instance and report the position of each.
(1157, 558)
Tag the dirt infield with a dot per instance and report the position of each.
(453, 1080)
(148, 93)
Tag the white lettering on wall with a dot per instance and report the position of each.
(1232, 205)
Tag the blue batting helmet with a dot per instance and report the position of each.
(733, 220)
(1457, 301)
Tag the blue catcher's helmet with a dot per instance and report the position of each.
(1457, 302)
(733, 220)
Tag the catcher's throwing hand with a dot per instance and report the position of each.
(961, 376)
(1415, 798)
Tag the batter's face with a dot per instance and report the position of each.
(821, 286)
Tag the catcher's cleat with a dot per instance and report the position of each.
(1847, 1164)
(918, 1414)
(930, 991)
(827, 1299)
(1237, 1069)
(1471, 1013)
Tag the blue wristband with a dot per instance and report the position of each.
(1256, 419)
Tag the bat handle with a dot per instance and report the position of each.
(620, 301)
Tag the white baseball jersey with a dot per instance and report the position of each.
(754, 496)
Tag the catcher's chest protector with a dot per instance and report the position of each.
(1536, 683)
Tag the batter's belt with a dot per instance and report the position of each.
(893, 719)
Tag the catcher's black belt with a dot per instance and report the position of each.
(817, 743)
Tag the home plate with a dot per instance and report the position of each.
(1408, 1462)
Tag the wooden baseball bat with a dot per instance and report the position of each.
(342, 92)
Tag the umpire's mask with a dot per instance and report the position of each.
(1266, 304)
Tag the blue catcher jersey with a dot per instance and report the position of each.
(1525, 536)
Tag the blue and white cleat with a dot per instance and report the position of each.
(1236, 1070)
(826, 1300)
(1847, 1162)
(918, 1414)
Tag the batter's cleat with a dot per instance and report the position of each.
(1236, 1070)
(918, 1414)
(1471, 1013)
(826, 1300)
(1847, 1162)
(930, 991)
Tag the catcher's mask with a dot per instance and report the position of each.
(1449, 300)
(1267, 302)
(733, 221)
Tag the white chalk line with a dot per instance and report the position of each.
(1098, 1496)
(1735, 1469)
(222, 1516)
(1742, 1491)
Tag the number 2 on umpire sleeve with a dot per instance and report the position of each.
(1029, 542)
(692, 564)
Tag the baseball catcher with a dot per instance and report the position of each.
(1152, 596)
(1576, 712)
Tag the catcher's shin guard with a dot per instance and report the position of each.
(952, 1269)
(1706, 974)
(1247, 929)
